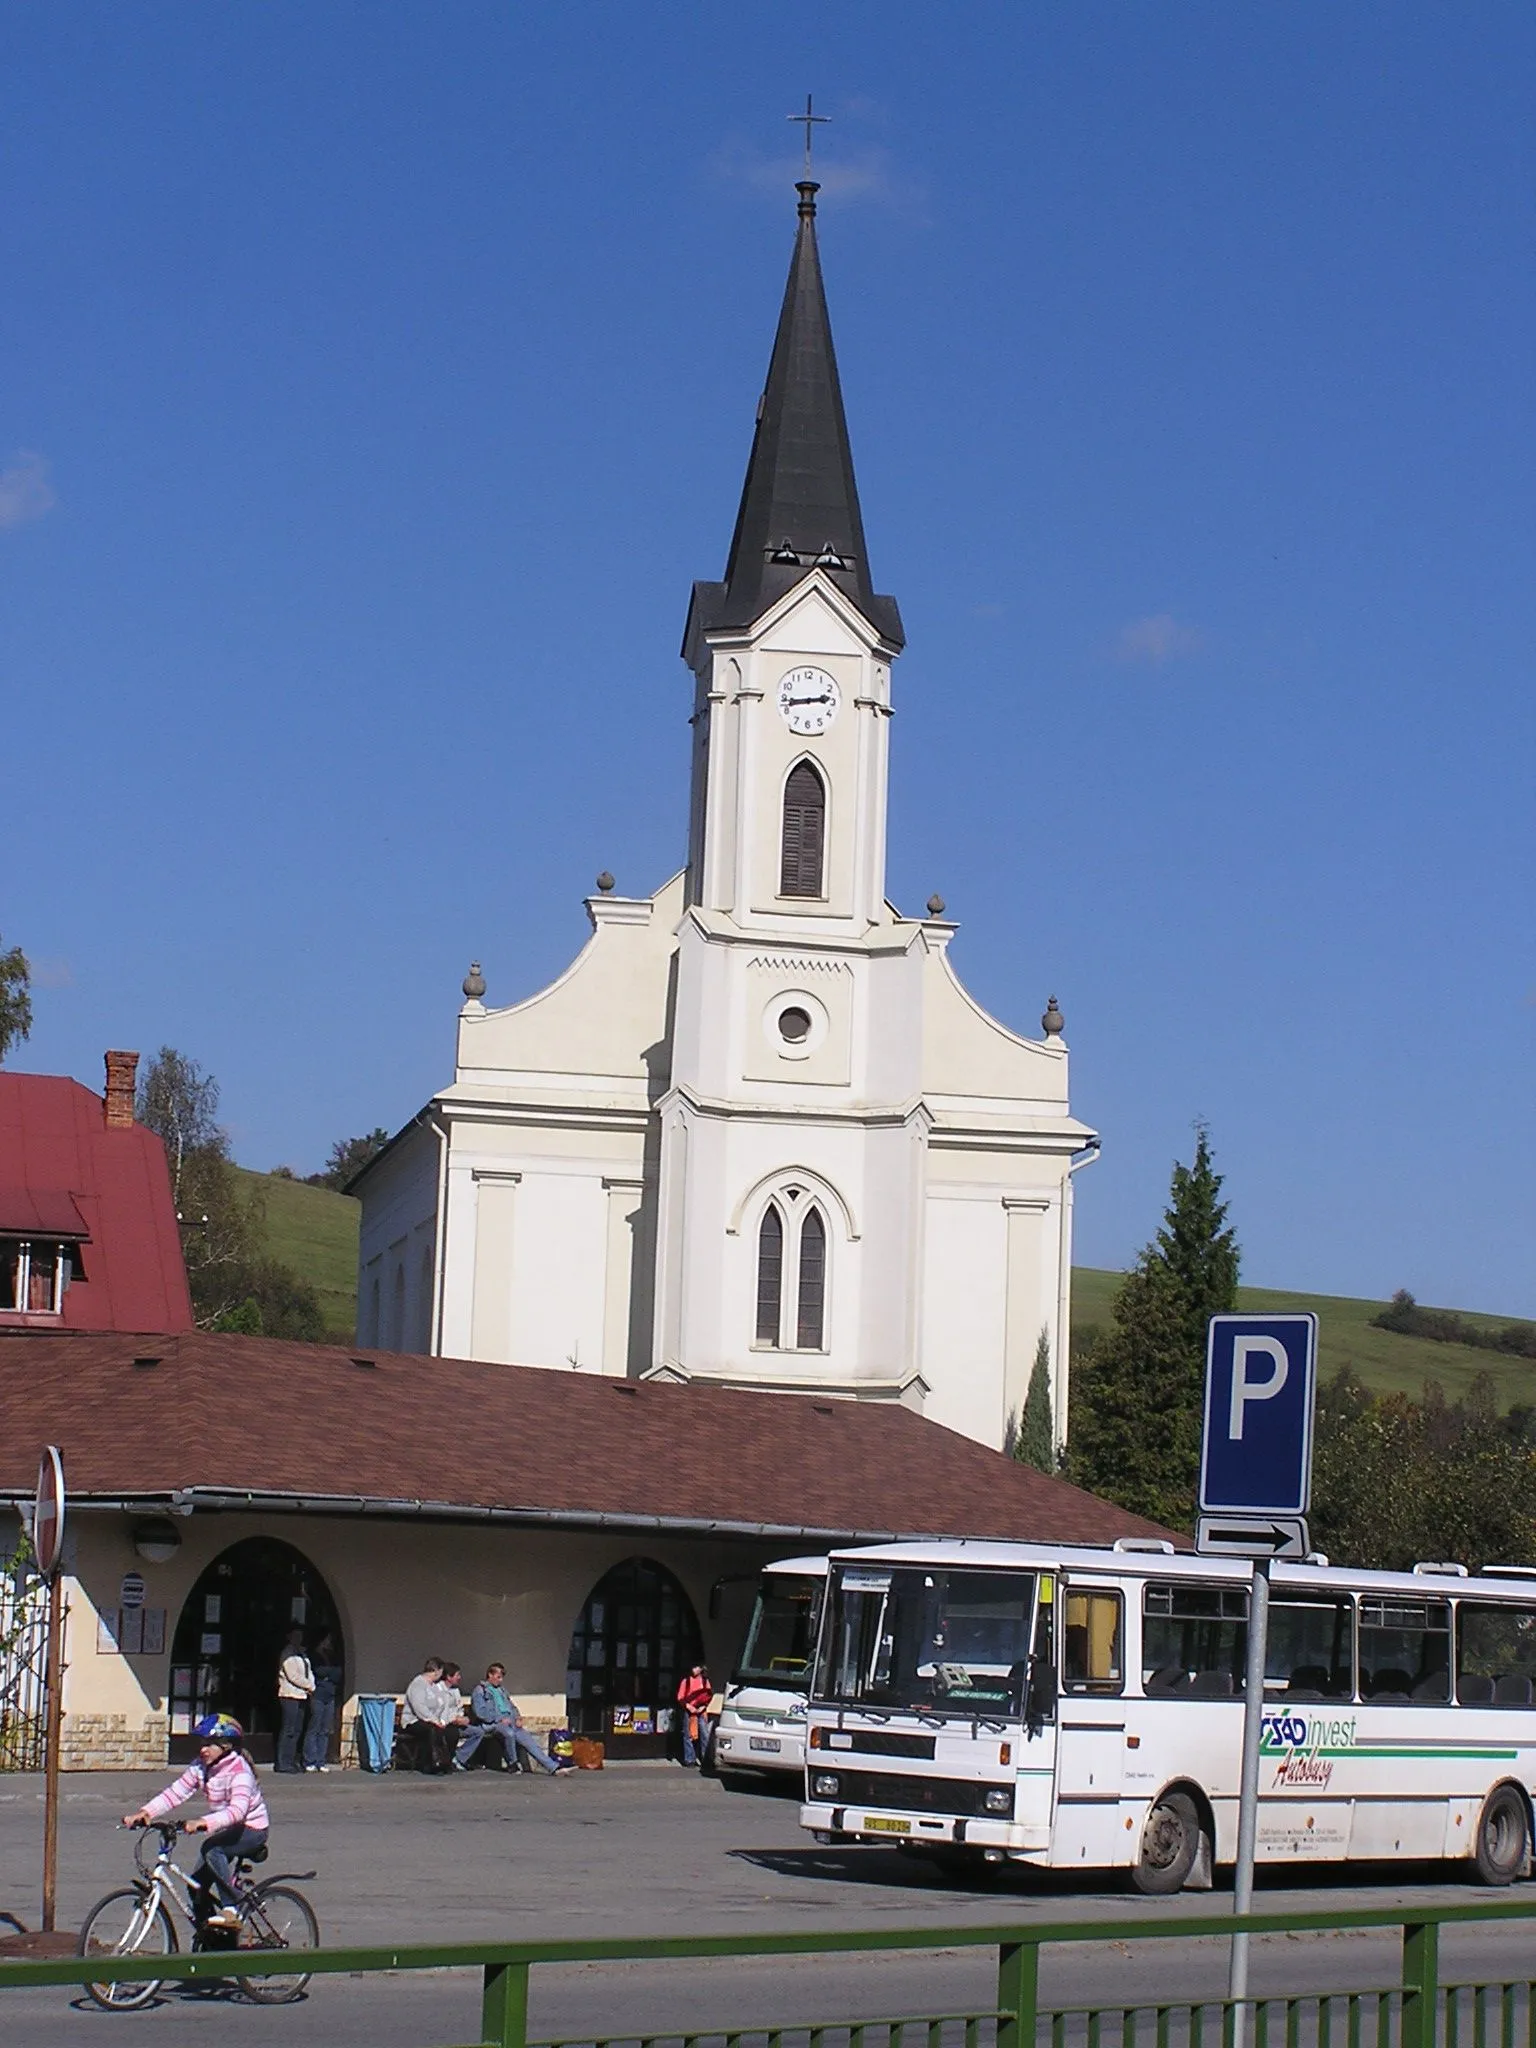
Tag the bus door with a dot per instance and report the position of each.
(1090, 1740)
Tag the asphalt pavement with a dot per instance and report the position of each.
(653, 1849)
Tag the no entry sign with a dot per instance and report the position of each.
(48, 1514)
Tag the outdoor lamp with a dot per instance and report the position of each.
(157, 1541)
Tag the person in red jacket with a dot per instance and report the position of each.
(693, 1697)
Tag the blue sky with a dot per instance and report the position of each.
(374, 380)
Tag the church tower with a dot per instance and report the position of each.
(787, 818)
(757, 1134)
(811, 1020)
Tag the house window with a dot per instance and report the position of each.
(33, 1276)
(792, 1274)
(805, 825)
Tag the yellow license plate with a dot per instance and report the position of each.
(877, 1824)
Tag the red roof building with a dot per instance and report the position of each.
(377, 1435)
(88, 1232)
(574, 1526)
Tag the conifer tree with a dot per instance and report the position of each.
(1036, 1441)
(1138, 1398)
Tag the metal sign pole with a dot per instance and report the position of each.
(51, 1750)
(1248, 1803)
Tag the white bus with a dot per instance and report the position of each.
(761, 1731)
(1082, 1709)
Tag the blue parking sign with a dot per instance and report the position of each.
(1256, 1449)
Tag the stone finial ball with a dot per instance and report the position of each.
(935, 905)
(1053, 1023)
(605, 883)
(474, 982)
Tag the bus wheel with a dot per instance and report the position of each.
(1170, 1842)
(1503, 1839)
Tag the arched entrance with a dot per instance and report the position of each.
(633, 1641)
(231, 1632)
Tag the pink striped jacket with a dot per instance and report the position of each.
(230, 1789)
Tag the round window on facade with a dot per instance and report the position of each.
(794, 1025)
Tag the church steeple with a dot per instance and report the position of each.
(800, 503)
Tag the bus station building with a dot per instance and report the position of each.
(592, 1533)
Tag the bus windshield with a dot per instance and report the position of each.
(929, 1638)
(781, 1635)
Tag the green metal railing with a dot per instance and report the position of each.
(1418, 2011)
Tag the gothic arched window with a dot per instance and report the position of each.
(792, 1273)
(805, 828)
(811, 1286)
(770, 1275)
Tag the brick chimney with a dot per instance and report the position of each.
(122, 1069)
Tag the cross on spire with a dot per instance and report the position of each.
(810, 121)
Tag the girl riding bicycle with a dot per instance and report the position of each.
(237, 1826)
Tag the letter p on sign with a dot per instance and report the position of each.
(1246, 1389)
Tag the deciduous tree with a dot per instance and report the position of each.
(349, 1156)
(221, 1226)
(1396, 1481)
(15, 998)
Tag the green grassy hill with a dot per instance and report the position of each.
(1387, 1362)
(314, 1231)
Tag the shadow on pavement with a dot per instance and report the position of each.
(896, 1869)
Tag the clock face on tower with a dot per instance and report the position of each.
(808, 700)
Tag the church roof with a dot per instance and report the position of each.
(252, 1423)
(800, 503)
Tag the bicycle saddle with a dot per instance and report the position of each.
(252, 1856)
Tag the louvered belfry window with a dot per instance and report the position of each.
(813, 1282)
(805, 827)
(770, 1275)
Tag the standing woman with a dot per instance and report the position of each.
(295, 1688)
(325, 1668)
(693, 1697)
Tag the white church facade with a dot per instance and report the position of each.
(757, 1134)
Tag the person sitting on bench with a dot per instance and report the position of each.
(431, 1716)
(493, 1712)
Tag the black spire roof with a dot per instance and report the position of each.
(800, 504)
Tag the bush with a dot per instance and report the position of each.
(1396, 1480)
(1443, 1326)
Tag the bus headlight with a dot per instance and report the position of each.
(826, 1785)
(998, 1800)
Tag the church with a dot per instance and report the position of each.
(757, 1135)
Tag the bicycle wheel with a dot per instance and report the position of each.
(277, 1918)
(127, 1923)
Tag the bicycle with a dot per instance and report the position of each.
(136, 1920)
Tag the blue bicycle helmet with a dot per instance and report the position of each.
(219, 1728)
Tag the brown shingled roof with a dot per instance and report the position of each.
(238, 1416)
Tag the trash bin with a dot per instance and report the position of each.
(376, 1730)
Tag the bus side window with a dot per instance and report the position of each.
(1093, 1631)
(1310, 1648)
(1495, 1655)
(1194, 1640)
(1405, 1649)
